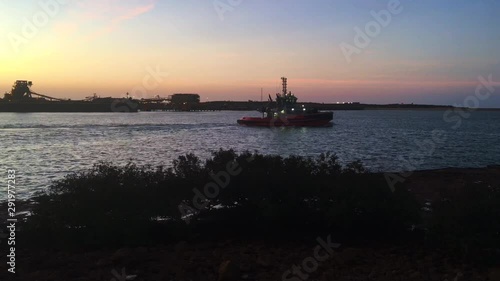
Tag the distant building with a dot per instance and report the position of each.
(20, 90)
(178, 99)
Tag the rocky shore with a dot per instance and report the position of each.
(277, 259)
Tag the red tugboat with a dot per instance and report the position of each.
(285, 112)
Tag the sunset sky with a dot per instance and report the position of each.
(430, 52)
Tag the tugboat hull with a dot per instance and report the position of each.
(321, 119)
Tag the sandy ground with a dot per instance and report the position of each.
(233, 260)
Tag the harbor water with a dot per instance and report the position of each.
(43, 147)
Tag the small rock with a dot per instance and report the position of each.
(372, 274)
(217, 253)
(103, 262)
(263, 261)
(494, 274)
(245, 267)
(141, 250)
(348, 255)
(130, 277)
(415, 275)
(228, 271)
(458, 277)
(180, 247)
(121, 254)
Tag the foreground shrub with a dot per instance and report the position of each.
(131, 205)
(467, 221)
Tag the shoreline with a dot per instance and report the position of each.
(260, 256)
(417, 179)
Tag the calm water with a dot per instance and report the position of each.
(46, 146)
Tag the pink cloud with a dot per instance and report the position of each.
(387, 82)
(134, 12)
(103, 16)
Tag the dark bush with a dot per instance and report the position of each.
(467, 221)
(131, 205)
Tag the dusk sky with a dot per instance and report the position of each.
(429, 52)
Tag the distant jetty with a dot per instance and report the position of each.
(256, 105)
(22, 99)
(191, 102)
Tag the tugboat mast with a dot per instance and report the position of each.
(284, 80)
